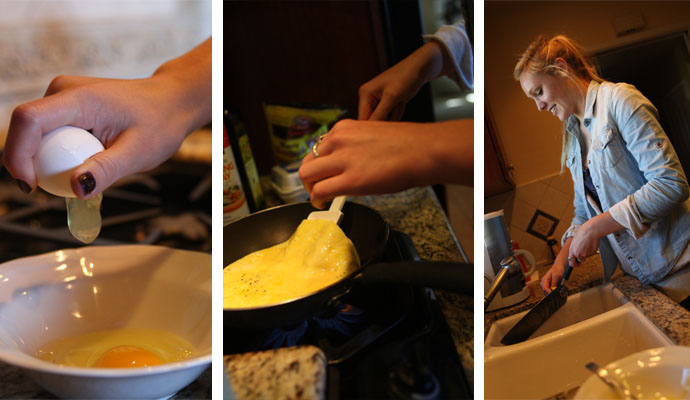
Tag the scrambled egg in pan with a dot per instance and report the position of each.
(316, 255)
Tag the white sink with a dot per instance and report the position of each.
(553, 359)
(579, 307)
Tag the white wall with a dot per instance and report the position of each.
(106, 38)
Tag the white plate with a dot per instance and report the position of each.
(70, 292)
(651, 374)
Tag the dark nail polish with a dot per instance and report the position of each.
(87, 182)
(24, 186)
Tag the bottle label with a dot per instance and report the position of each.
(250, 167)
(234, 201)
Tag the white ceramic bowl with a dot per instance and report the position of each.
(75, 291)
(658, 373)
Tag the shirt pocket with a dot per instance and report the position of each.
(607, 147)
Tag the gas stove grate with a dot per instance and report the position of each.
(170, 206)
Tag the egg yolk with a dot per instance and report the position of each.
(127, 357)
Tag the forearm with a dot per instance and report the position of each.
(188, 80)
(603, 224)
(430, 62)
(562, 257)
(451, 155)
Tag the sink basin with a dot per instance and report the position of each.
(553, 361)
(579, 307)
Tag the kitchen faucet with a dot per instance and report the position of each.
(510, 267)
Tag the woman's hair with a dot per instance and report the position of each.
(541, 55)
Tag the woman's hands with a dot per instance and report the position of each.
(554, 275)
(374, 157)
(577, 248)
(586, 240)
(371, 157)
(385, 96)
(141, 122)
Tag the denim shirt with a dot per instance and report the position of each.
(638, 178)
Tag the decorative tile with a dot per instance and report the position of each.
(542, 225)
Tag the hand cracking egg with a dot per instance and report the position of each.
(59, 154)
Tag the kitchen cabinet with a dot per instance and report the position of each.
(497, 175)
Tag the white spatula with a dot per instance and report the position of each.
(333, 213)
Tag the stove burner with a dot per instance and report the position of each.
(346, 316)
(285, 337)
(343, 320)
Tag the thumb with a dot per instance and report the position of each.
(102, 170)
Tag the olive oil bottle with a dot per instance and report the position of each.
(246, 166)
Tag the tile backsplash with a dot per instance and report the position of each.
(117, 39)
(535, 210)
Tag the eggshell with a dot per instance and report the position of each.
(60, 152)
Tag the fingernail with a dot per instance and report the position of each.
(87, 182)
(24, 186)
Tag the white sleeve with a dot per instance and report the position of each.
(456, 43)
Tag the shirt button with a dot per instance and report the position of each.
(630, 258)
(589, 161)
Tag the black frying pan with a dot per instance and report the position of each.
(368, 232)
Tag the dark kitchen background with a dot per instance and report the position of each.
(320, 52)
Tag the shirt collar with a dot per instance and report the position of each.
(573, 124)
(590, 101)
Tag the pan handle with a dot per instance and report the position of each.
(446, 275)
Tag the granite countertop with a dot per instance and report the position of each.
(417, 213)
(264, 374)
(667, 315)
